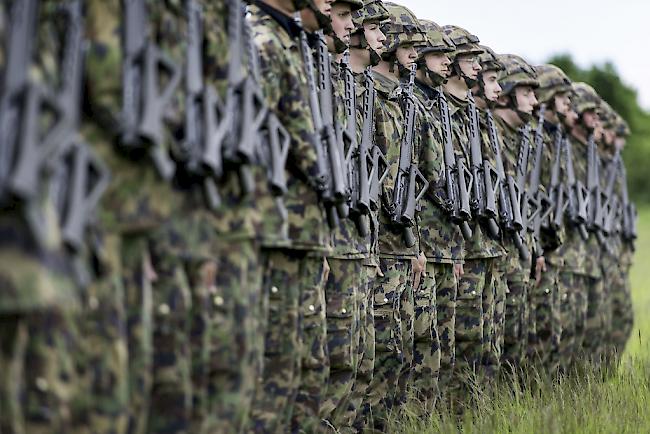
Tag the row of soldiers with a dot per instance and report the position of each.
(291, 216)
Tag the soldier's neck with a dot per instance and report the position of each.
(422, 77)
(509, 116)
(359, 60)
(456, 87)
(384, 68)
(580, 133)
(551, 116)
(480, 103)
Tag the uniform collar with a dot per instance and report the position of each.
(385, 85)
(288, 24)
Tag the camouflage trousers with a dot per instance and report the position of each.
(295, 347)
(545, 326)
(494, 305)
(101, 351)
(574, 307)
(471, 343)
(426, 349)
(345, 283)
(596, 321)
(392, 339)
(37, 373)
(353, 418)
(622, 311)
(446, 294)
(516, 316)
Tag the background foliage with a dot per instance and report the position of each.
(623, 98)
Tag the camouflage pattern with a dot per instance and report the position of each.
(517, 271)
(373, 10)
(342, 298)
(426, 357)
(552, 80)
(515, 72)
(568, 290)
(464, 42)
(438, 41)
(402, 27)
(391, 359)
(446, 295)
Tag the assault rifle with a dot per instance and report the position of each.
(358, 158)
(611, 207)
(596, 194)
(539, 204)
(379, 164)
(505, 204)
(143, 101)
(629, 213)
(458, 180)
(409, 178)
(557, 192)
(578, 194)
(324, 139)
(485, 185)
(334, 151)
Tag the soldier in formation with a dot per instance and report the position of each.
(292, 216)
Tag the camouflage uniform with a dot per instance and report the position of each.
(345, 284)
(517, 272)
(475, 302)
(440, 239)
(295, 365)
(39, 296)
(593, 284)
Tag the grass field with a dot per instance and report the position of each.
(589, 404)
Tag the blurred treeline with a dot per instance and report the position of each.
(605, 79)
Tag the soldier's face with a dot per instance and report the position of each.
(309, 20)
(526, 100)
(438, 63)
(619, 143)
(469, 65)
(491, 86)
(342, 21)
(374, 36)
(562, 103)
(571, 118)
(590, 119)
(609, 135)
(599, 131)
(406, 55)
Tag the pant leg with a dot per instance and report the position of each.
(232, 280)
(544, 308)
(515, 333)
(407, 316)
(568, 318)
(315, 362)
(359, 408)
(495, 336)
(426, 360)
(389, 356)
(595, 323)
(446, 295)
(581, 294)
(469, 371)
(344, 283)
(277, 387)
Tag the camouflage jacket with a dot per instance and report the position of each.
(285, 88)
(389, 128)
(347, 241)
(440, 239)
(480, 245)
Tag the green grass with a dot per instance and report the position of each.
(589, 403)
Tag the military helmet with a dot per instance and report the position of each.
(516, 72)
(402, 28)
(552, 80)
(607, 115)
(438, 41)
(372, 10)
(586, 98)
(488, 60)
(355, 5)
(622, 128)
(464, 41)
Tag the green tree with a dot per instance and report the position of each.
(623, 98)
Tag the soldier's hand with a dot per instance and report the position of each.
(419, 265)
(458, 271)
(540, 267)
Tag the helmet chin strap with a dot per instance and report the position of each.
(525, 117)
(470, 82)
(435, 78)
(339, 45)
